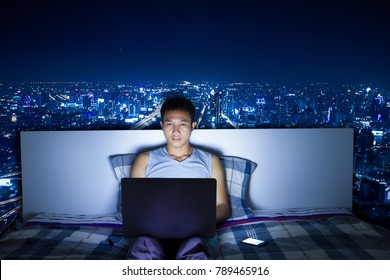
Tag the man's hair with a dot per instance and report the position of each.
(178, 103)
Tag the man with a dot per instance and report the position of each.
(179, 159)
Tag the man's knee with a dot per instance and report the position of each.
(192, 248)
(146, 248)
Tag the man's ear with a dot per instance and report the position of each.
(161, 124)
(193, 125)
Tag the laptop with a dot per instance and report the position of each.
(169, 207)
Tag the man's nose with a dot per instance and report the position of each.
(176, 127)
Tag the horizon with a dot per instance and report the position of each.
(189, 82)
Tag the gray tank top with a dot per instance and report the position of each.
(161, 165)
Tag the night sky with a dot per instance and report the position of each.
(249, 41)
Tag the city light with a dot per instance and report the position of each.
(5, 183)
(89, 106)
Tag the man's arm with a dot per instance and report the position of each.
(140, 163)
(217, 172)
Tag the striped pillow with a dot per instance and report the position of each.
(238, 172)
(121, 163)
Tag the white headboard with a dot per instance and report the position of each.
(70, 172)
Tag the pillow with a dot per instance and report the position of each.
(238, 172)
(121, 163)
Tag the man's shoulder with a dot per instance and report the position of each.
(210, 155)
(139, 165)
(143, 156)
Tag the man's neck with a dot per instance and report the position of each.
(179, 154)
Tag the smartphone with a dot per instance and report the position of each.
(253, 241)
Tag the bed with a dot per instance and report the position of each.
(291, 233)
(298, 234)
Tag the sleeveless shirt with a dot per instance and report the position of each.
(161, 164)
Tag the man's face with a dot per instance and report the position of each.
(177, 127)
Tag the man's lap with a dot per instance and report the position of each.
(149, 248)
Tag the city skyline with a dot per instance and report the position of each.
(244, 41)
(107, 105)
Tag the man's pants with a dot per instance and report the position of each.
(193, 248)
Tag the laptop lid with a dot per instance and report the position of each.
(169, 207)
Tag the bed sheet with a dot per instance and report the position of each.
(60, 236)
(301, 234)
(291, 234)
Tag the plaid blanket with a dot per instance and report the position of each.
(313, 237)
(59, 236)
(291, 235)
